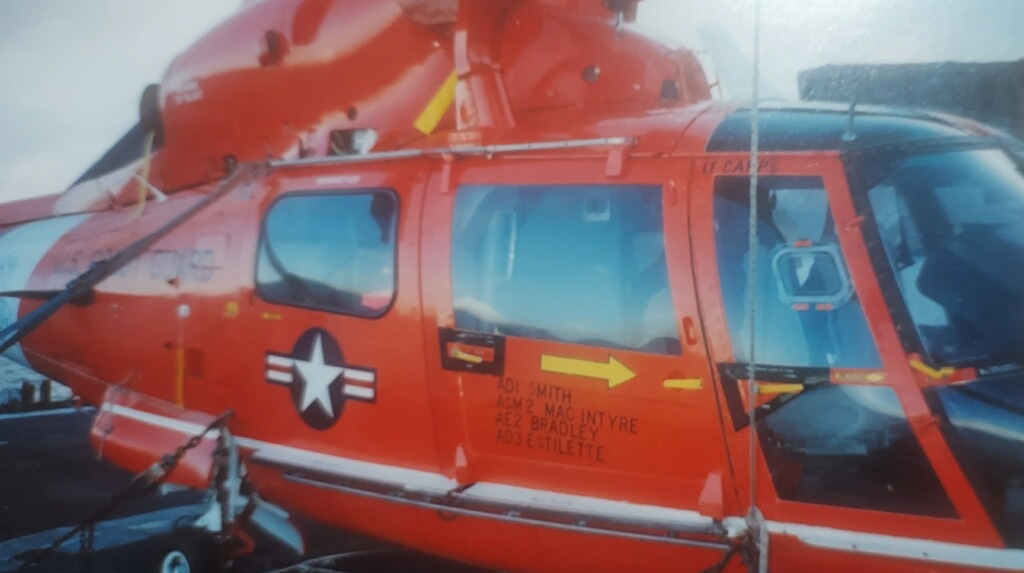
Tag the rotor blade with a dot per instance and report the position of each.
(84, 300)
(82, 285)
(33, 294)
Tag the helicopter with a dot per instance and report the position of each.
(504, 282)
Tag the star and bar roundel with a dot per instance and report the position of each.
(320, 380)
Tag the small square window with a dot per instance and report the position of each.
(332, 252)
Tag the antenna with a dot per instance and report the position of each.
(850, 134)
(625, 11)
(751, 306)
(756, 525)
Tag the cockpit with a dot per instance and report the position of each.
(950, 219)
(942, 217)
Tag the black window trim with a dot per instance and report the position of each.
(321, 193)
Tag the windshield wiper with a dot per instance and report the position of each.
(734, 375)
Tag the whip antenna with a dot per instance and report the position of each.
(756, 525)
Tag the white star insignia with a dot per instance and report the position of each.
(317, 377)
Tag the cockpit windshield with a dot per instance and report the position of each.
(951, 222)
(952, 225)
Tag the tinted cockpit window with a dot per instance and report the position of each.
(330, 252)
(807, 313)
(953, 229)
(573, 263)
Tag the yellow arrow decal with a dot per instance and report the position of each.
(613, 371)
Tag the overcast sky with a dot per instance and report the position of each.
(71, 71)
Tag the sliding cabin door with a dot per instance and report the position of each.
(563, 334)
(335, 354)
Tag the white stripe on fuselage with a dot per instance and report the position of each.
(21, 249)
(841, 541)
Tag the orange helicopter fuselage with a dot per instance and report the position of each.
(508, 341)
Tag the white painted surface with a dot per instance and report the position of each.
(21, 249)
(500, 493)
(902, 547)
(304, 459)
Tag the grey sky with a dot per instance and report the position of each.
(71, 71)
(802, 34)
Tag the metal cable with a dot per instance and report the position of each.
(756, 523)
(752, 256)
(83, 284)
(144, 481)
(322, 563)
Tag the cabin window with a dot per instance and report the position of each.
(331, 252)
(580, 264)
